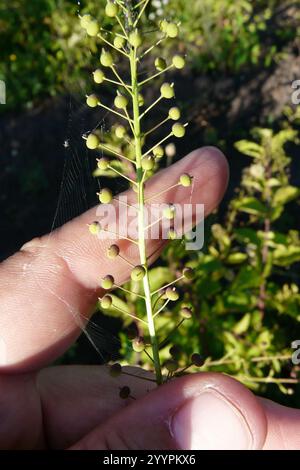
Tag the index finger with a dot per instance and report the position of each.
(53, 281)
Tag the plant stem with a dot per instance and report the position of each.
(141, 213)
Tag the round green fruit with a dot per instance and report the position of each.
(188, 273)
(172, 294)
(138, 273)
(119, 42)
(106, 58)
(135, 39)
(103, 164)
(186, 313)
(169, 212)
(105, 196)
(158, 151)
(111, 9)
(160, 64)
(92, 101)
(172, 30)
(174, 114)
(120, 132)
(167, 91)
(95, 228)
(138, 345)
(92, 28)
(92, 142)
(106, 302)
(121, 102)
(178, 62)
(171, 365)
(178, 130)
(113, 252)
(98, 76)
(107, 282)
(148, 163)
(185, 180)
(85, 20)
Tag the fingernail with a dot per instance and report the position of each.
(210, 421)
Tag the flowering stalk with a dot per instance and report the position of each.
(127, 41)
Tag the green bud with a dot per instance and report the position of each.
(167, 91)
(95, 228)
(160, 64)
(115, 370)
(103, 164)
(120, 132)
(105, 196)
(171, 365)
(178, 62)
(138, 273)
(174, 114)
(178, 130)
(92, 28)
(92, 142)
(125, 393)
(85, 20)
(106, 58)
(113, 252)
(119, 42)
(98, 76)
(158, 151)
(111, 9)
(163, 25)
(186, 313)
(197, 360)
(106, 302)
(107, 282)
(135, 39)
(148, 163)
(169, 212)
(185, 180)
(172, 294)
(172, 30)
(138, 345)
(121, 102)
(188, 274)
(92, 101)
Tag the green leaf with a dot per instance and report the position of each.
(250, 148)
(251, 205)
(286, 255)
(285, 195)
(243, 325)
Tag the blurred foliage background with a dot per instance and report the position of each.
(243, 56)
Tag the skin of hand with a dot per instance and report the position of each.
(78, 407)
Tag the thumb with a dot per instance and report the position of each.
(201, 411)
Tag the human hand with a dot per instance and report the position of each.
(45, 287)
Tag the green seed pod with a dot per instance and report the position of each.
(106, 58)
(188, 274)
(105, 196)
(125, 393)
(141, 100)
(92, 28)
(85, 20)
(158, 151)
(197, 360)
(120, 132)
(160, 64)
(185, 180)
(111, 9)
(148, 163)
(171, 365)
(103, 164)
(98, 76)
(172, 30)
(92, 101)
(121, 102)
(119, 42)
(115, 370)
(163, 25)
(172, 294)
(135, 39)
(178, 62)
(169, 212)
(107, 282)
(138, 273)
(138, 345)
(174, 114)
(106, 302)
(92, 142)
(178, 130)
(167, 91)
(113, 252)
(95, 228)
(186, 313)
(172, 235)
